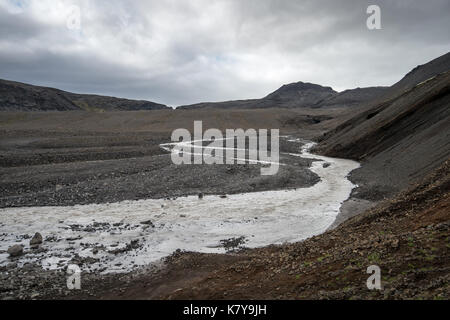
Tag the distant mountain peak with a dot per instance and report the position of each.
(300, 87)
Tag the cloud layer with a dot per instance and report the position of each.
(181, 52)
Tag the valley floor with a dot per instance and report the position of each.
(70, 158)
(407, 236)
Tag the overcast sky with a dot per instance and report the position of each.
(183, 52)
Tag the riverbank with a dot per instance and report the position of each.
(407, 237)
(141, 232)
(119, 237)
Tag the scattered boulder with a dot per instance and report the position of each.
(133, 245)
(51, 239)
(16, 250)
(83, 260)
(233, 244)
(74, 238)
(148, 223)
(326, 165)
(36, 240)
(200, 196)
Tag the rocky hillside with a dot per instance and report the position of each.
(401, 137)
(15, 96)
(352, 98)
(299, 95)
(422, 73)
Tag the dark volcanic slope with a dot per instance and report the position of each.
(15, 96)
(402, 138)
(422, 73)
(353, 98)
(299, 95)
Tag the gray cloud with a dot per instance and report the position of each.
(181, 52)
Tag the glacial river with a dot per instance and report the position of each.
(117, 240)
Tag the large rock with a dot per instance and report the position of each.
(16, 250)
(36, 240)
